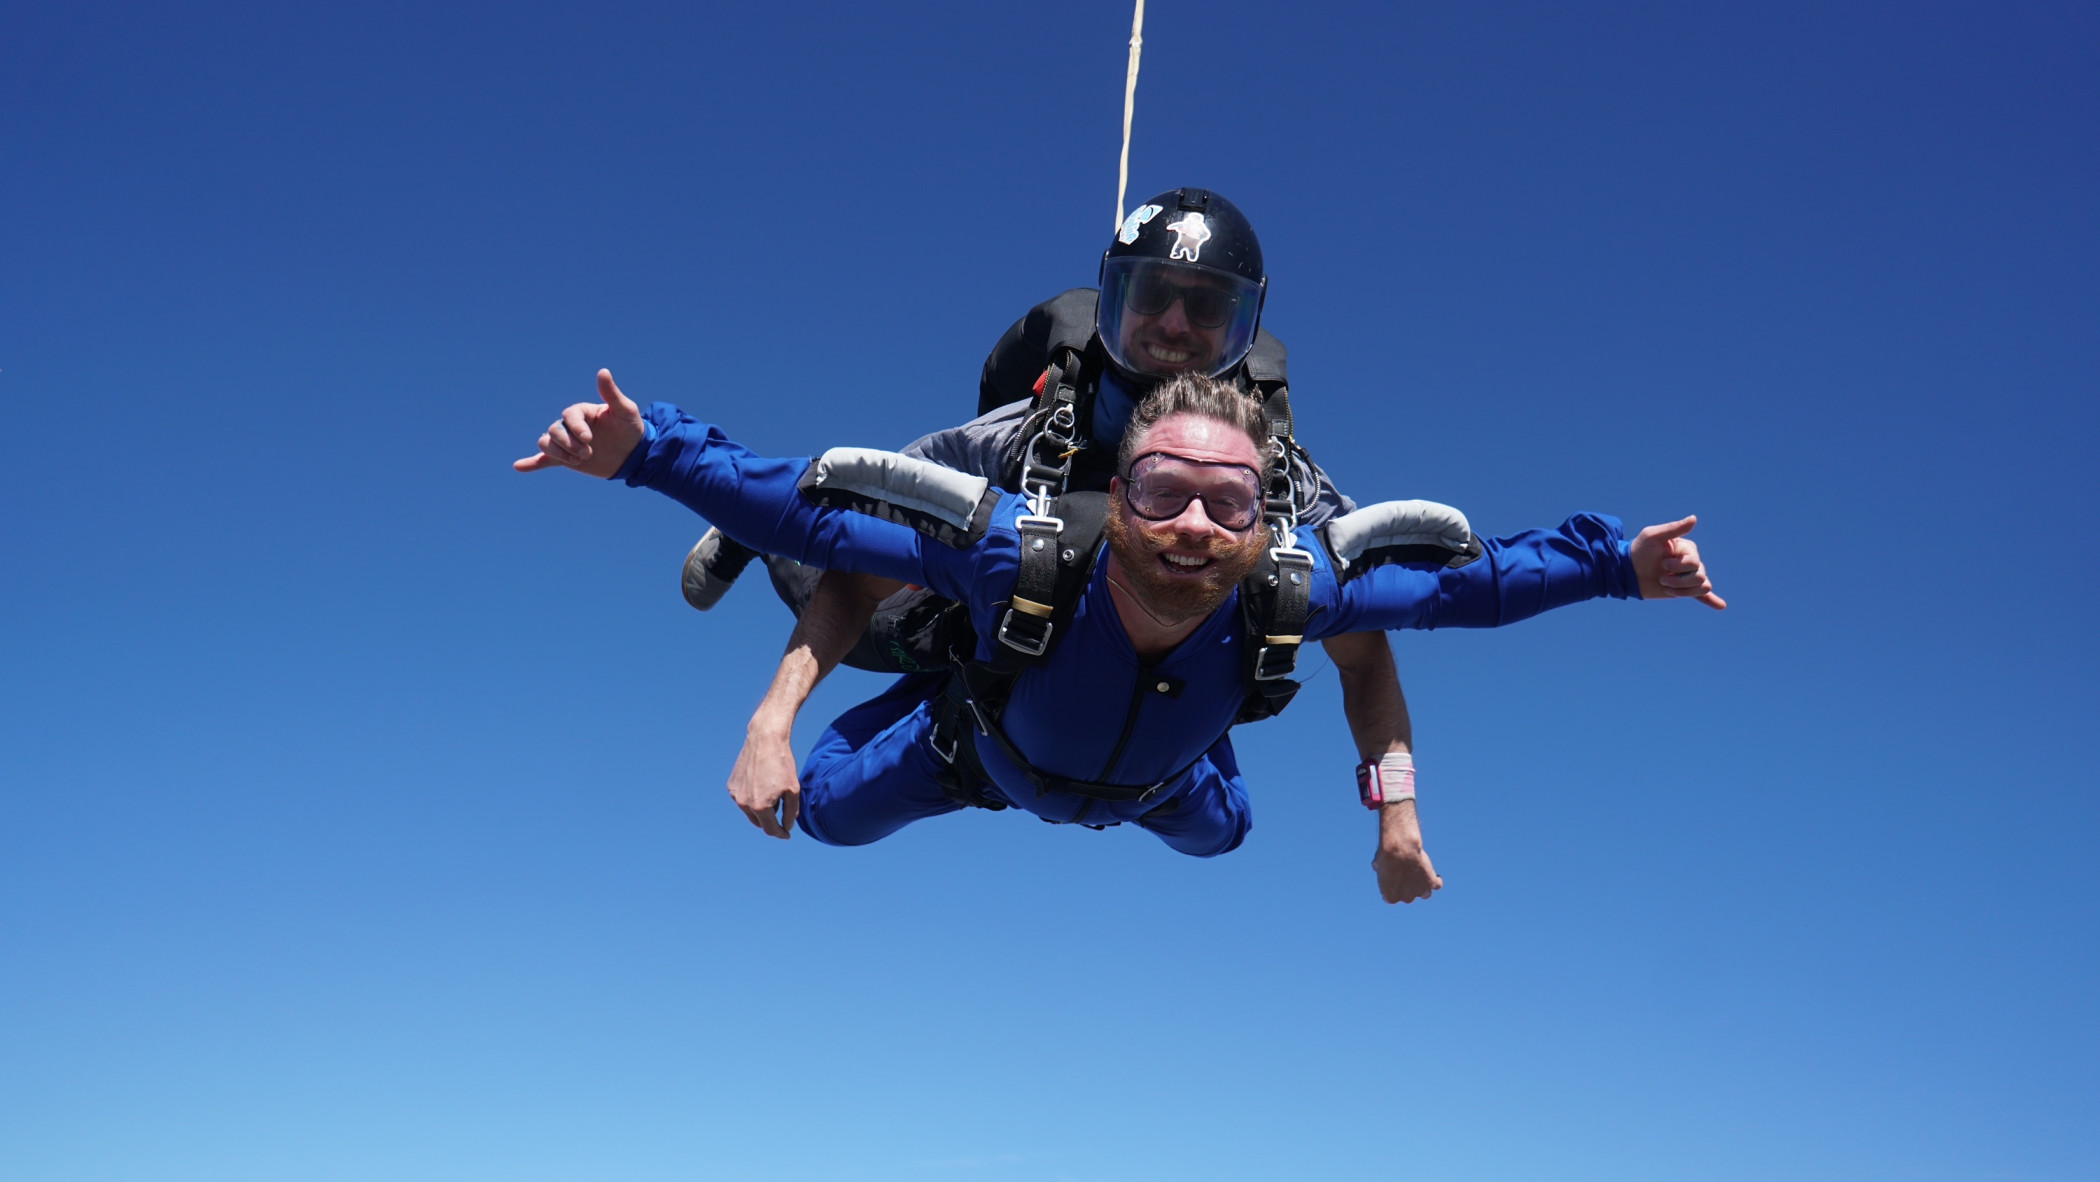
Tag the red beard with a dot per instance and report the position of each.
(1171, 593)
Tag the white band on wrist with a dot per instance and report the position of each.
(1396, 777)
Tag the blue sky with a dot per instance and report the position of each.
(362, 809)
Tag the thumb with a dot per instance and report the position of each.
(1666, 531)
(535, 462)
(609, 390)
(1714, 601)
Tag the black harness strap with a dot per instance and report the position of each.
(1058, 551)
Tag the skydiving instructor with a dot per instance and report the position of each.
(1182, 291)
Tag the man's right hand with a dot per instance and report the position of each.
(764, 784)
(595, 438)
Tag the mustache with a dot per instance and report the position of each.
(1224, 553)
(1161, 537)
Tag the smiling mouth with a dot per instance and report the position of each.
(1166, 356)
(1183, 563)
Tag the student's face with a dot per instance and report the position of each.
(1189, 565)
(1167, 342)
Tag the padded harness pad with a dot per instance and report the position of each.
(949, 506)
(1401, 531)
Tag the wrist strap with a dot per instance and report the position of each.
(1386, 780)
(1396, 777)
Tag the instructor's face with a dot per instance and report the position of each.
(1168, 342)
(1186, 566)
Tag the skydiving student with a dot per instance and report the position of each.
(1107, 672)
(1182, 289)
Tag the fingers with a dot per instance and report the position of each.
(577, 419)
(569, 443)
(1671, 529)
(558, 446)
(1405, 879)
(610, 392)
(556, 443)
(790, 808)
(764, 819)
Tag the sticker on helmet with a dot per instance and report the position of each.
(1138, 217)
(1192, 234)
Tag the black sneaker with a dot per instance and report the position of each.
(712, 567)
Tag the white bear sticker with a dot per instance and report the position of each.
(1138, 217)
(1191, 234)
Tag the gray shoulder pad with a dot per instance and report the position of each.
(1400, 531)
(949, 506)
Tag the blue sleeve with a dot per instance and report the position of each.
(1517, 578)
(758, 502)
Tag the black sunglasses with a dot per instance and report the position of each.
(1150, 293)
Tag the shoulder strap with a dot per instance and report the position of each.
(1065, 321)
(1058, 551)
(1274, 603)
(1057, 559)
(1266, 359)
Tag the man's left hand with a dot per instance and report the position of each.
(1669, 567)
(1404, 870)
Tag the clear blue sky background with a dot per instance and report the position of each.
(362, 810)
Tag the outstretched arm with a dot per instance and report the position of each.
(756, 500)
(765, 783)
(1525, 574)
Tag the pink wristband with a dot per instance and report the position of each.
(1386, 780)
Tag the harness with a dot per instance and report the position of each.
(1060, 538)
(1052, 455)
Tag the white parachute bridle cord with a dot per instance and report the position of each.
(1137, 45)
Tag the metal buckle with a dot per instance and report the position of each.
(1291, 556)
(934, 741)
(1020, 644)
(1261, 663)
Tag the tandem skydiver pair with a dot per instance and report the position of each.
(1182, 291)
(1119, 689)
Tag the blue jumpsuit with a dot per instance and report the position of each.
(1093, 710)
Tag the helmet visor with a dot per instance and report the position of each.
(1162, 318)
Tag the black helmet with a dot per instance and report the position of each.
(1181, 286)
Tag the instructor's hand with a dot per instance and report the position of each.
(1669, 565)
(1404, 870)
(595, 438)
(764, 784)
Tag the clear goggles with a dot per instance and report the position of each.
(1161, 485)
